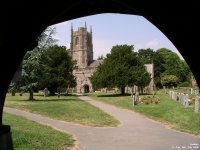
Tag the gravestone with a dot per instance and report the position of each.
(186, 100)
(46, 92)
(136, 98)
(197, 104)
(133, 100)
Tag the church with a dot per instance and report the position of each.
(81, 50)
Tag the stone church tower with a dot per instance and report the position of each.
(81, 49)
(81, 46)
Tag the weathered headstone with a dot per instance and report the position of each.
(197, 104)
(133, 100)
(126, 89)
(46, 92)
(186, 100)
(136, 98)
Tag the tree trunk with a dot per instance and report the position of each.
(13, 92)
(30, 94)
(122, 90)
(58, 90)
(141, 90)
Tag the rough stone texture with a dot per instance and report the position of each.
(197, 104)
(5, 138)
(150, 70)
(82, 52)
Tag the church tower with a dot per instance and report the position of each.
(81, 46)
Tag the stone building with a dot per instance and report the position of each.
(81, 48)
(150, 70)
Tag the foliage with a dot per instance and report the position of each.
(169, 80)
(46, 39)
(58, 69)
(100, 57)
(184, 84)
(173, 65)
(147, 55)
(120, 68)
(32, 65)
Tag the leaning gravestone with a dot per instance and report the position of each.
(197, 104)
(46, 92)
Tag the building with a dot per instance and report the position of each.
(81, 48)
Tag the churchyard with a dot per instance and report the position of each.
(167, 111)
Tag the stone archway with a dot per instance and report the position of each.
(178, 25)
(86, 88)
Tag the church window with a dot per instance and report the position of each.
(76, 40)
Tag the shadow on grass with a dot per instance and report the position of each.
(113, 95)
(38, 94)
(119, 95)
(47, 100)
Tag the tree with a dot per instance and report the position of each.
(147, 55)
(169, 81)
(100, 57)
(58, 69)
(120, 68)
(31, 71)
(171, 64)
(32, 65)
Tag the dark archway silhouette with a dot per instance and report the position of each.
(86, 88)
(22, 23)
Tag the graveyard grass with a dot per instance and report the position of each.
(67, 108)
(31, 135)
(168, 111)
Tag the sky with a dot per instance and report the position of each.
(115, 29)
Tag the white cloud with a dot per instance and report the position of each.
(152, 44)
(57, 37)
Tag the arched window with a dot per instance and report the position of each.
(76, 41)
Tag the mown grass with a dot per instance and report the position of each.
(29, 135)
(67, 108)
(167, 111)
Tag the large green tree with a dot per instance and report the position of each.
(32, 65)
(58, 69)
(120, 68)
(31, 71)
(173, 65)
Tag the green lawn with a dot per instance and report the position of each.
(167, 111)
(29, 135)
(67, 108)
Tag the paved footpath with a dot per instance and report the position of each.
(135, 132)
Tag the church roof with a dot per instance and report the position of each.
(95, 63)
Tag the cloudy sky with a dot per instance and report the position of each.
(112, 29)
